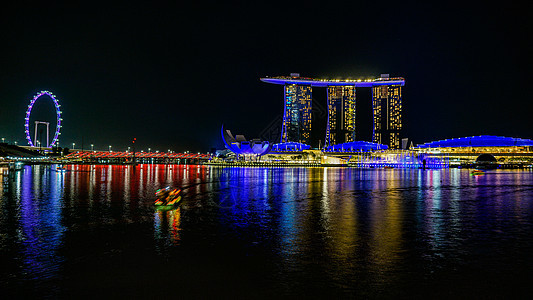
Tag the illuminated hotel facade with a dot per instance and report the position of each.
(296, 125)
(341, 101)
(387, 115)
(341, 115)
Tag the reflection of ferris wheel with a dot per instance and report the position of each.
(58, 126)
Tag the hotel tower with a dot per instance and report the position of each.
(296, 125)
(341, 115)
(387, 115)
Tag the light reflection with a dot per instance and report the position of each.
(167, 225)
(40, 221)
(386, 241)
(289, 230)
(434, 216)
(4, 180)
(325, 195)
(127, 183)
(454, 199)
(341, 214)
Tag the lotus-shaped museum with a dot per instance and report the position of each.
(240, 146)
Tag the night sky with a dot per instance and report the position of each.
(171, 75)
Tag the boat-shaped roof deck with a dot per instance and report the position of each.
(314, 82)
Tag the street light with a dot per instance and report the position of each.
(148, 149)
(92, 147)
(73, 144)
(109, 148)
(3, 140)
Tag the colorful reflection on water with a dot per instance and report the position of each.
(270, 231)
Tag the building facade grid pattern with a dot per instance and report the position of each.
(387, 111)
(341, 115)
(297, 114)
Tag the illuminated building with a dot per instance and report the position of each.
(239, 144)
(341, 115)
(297, 115)
(357, 146)
(479, 144)
(386, 100)
(290, 147)
(387, 115)
(506, 150)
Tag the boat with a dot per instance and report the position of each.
(60, 169)
(167, 198)
(477, 172)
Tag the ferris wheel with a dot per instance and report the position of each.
(55, 140)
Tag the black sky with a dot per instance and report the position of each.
(171, 75)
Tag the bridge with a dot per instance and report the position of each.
(139, 157)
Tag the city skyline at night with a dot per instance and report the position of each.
(156, 148)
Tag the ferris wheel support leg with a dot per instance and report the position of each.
(35, 139)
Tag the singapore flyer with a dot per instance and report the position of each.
(55, 140)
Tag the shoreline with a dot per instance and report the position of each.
(277, 165)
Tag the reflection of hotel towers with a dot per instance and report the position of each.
(386, 107)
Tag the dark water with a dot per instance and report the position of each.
(261, 233)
